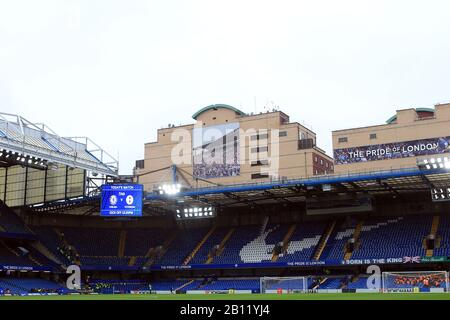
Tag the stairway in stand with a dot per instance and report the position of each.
(433, 232)
(221, 246)
(356, 234)
(286, 241)
(122, 243)
(324, 240)
(198, 246)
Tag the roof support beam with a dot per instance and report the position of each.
(427, 181)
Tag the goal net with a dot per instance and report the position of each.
(283, 285)
(420, 281)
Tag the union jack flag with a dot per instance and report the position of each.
(415, 259)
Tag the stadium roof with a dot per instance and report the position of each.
(394, 182)
(28, 139)
(401, 183)
(217, 106)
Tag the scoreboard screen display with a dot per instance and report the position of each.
(121, 200)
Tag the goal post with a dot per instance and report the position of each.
(415, 281)
(283, 284)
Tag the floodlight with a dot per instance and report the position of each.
(440, 194)
(196, 212)
(170, 189)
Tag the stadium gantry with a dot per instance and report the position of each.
(37, 166)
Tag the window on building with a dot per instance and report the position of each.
(282, 134)
(316, 159)
(373, 136)
(305, 144)
(140, 164)
(342, 140)
(260, 163)
(259, 149)
(260, 175)
(262, 136)
(321, 162)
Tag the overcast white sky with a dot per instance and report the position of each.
(116, 71)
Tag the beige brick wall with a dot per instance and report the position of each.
(293, 163)
(408, 127)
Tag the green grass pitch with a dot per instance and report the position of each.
(318, 296)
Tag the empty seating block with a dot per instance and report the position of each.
(393, 237)
(139, 241)
(11, 222)
(214, 239)
(93, 242)
(303, 242)
(242, 236)
(182, 246)
(444, 234)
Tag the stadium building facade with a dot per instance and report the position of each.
(227, 146)
(409, 135)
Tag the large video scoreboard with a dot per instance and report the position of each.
(121, 200)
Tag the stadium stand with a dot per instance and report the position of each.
(231, 284)
(213, 240)
(303, 241)
(183, 244)
(424, 283)
(358, 283)
(168, 285)
(89, 242)
(117, 286)
(23, 286)
(232, 251)
(12, 257)
(10, 222)
(118, 248)
(380, 237)
(443, 237)
(140, 241)
(334, 250)
(393, 237)
(50, 239)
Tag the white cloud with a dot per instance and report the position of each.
(117, 71)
